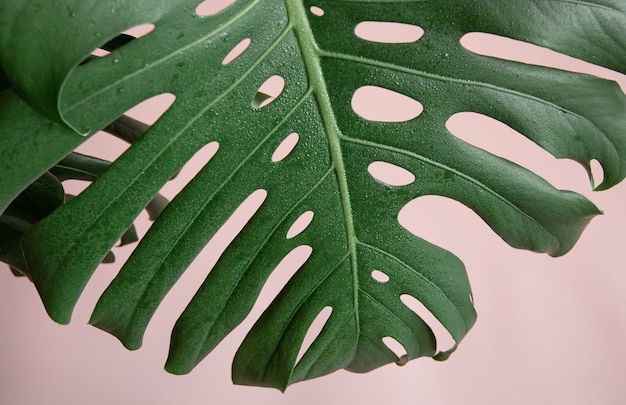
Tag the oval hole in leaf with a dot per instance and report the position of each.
(501, 140)
(390, 174)
(397, 348)
(383, 105)
(380, 276)
(314, 331)
(388, 32)
(212, 7)
(317, 11)
(444, 340)
(236, 51)
(300, 224)
(286, 147)
(268, 92)
(501, 47)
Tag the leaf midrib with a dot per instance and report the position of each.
(311, 55)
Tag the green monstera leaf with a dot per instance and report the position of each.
(60, 94)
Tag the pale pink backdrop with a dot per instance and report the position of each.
(549, 331)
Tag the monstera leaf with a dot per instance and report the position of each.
(56, 94)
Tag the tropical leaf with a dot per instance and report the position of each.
(312, 46)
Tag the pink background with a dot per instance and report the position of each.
(549, 330)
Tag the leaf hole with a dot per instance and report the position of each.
(104, 145)
(314, 331)
(239, 49)
(597, 172)
(244, 213)
(300, 224)
(124, 38)
(398, 349)
(99, 52)
(190, 169)
(390, 174)
(388, 32)
(501, 47)
(383, 105)
(212, 7)
(140, 30)
(237, 221)
(380, 276)
(269, 91)
(499, 139)
(317, 11)
(150, 110)
(449, 224)
(282, 273)
(444, 340)
(286, 147)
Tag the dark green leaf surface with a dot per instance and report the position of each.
(355, 228)
(11, 232)
(29, 145)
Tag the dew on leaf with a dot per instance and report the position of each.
(212, 7)
(388, 32)
(314, 331)
(390, 174)
(380, 276)
(444, 340)
(236, 51)
(286, 147)
(383, 105)
(268, 92)
(300, 224)
(317, 11)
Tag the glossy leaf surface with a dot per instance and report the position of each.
(354, 230)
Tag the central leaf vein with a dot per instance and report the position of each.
(298, 21)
